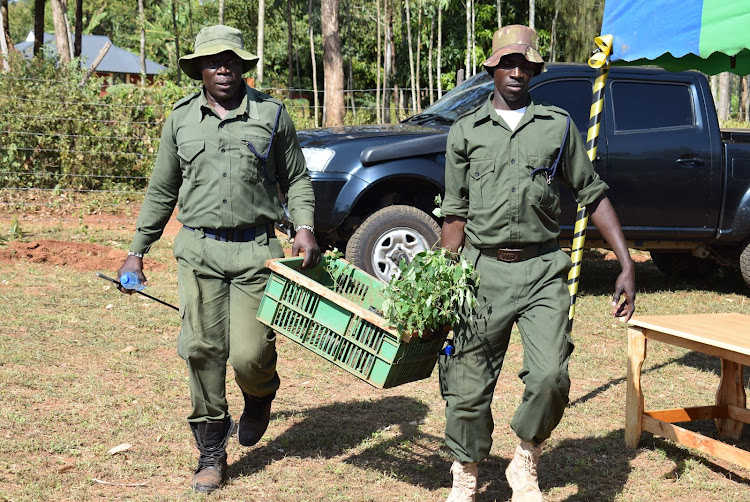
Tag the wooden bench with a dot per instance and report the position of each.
(726, 336)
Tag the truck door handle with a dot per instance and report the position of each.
(689, 161)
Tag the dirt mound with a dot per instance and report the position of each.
(81, 256)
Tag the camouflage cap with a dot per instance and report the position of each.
(214, 40)
(514, 39)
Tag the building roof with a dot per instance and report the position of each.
(116, 60)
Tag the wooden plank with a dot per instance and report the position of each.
(731, 390)
(737, 413)
(689, 414)
(697, 441)
(730, 331)
(710, 349)
(633, 393)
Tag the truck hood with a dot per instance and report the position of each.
(379, 143)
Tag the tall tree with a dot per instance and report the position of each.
(429, 57)
(261, 41)
(314, 63)
(388, 63)
(440, 49)
(4, 49)
(78, 29)
(333, 65)
(221, 11)
(499, 14)
(553, 34)
(468, 36)
(724, 95)
(38, 25)
(62, 36)
(290, 48)
(142, 23)
(378, 111)
(532, 14)
(413, 79)
(176, 38)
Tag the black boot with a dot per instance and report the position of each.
(211, 438)
(254, 420)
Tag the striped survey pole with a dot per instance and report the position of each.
(600, 61)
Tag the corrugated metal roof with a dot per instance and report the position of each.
(117, 60)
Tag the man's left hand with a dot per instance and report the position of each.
(304, 241)
(624, 286)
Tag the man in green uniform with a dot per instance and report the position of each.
(503, 164)
(227, 152)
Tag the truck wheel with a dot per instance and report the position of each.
(683, 265)
(745, 263)
(388, 236)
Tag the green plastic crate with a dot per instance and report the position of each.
(334, 314)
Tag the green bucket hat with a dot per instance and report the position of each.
(514, 39)
(214, 40)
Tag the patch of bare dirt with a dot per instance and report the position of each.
(81, 256)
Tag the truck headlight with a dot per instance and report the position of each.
(317, 159)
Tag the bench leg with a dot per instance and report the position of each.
(731, 391)
(634, 406)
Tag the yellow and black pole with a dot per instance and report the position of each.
(600, 61)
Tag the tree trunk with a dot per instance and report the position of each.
(724, 84)
(349, 57)
(61, 31)
(388, 18)
(440, 52)
(468, 35)
(418, 85)
(176, 38)
(532, 14)
(747, 98)
(473, 38)
(333, 66)
(261, 38)
(289, 47)
(431, 81)
(314, 63)
(38, 25)
(714, 85)
(553, 34)
(499, 14)
(142, 22)
(378, 111)
(413, 79)
(78, 37)
(221, 11)
(67, 27)
(4, 50)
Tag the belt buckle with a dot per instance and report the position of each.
(508, 255)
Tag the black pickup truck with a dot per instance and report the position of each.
(680, 185)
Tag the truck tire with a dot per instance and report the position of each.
(745, 263)
(683, 265)
(388, 236)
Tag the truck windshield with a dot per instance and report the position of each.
(459, 100)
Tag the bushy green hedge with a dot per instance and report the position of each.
(57, 133)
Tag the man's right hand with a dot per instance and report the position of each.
(132, 264)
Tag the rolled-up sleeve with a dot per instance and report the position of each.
(456, 200)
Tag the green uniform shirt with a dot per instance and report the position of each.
(488, 175)
(205, 166)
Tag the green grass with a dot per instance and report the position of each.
(69, 393)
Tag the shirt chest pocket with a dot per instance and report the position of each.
(482, 182)
(252, 164)
(541, 192)
(192, 160)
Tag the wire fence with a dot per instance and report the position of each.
(90, 152)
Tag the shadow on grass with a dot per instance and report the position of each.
(332, 430)
(598, 278)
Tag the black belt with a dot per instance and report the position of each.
(233, 234)
(519, 254)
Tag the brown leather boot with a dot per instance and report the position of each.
(211, 438)
(255, 418)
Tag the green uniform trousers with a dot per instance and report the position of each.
(534, 295)
(220, 286)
